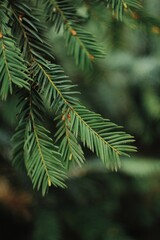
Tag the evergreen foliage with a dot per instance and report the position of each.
(28, 67)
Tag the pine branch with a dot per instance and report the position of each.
(52, 77)
(30, 32)
(18, 139)
(12, 67)
(41, 157)
(99, 135)
(146, 19)
(3, 15)
(59, 12)
(54, 85)
(43, 162)
(80, 44)
(31, 141)
(118, 7)
(69, 147)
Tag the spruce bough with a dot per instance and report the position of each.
(28, 69)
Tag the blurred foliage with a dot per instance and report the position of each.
(98, 205)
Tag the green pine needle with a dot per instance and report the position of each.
(12, 67)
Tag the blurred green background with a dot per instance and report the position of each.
(98, 204)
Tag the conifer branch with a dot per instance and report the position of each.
(69, 147)
(41, 157)
(118, 7)
(108, 144)
(27, 61)
(80, 44)
(13, 68)
(30, 32)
